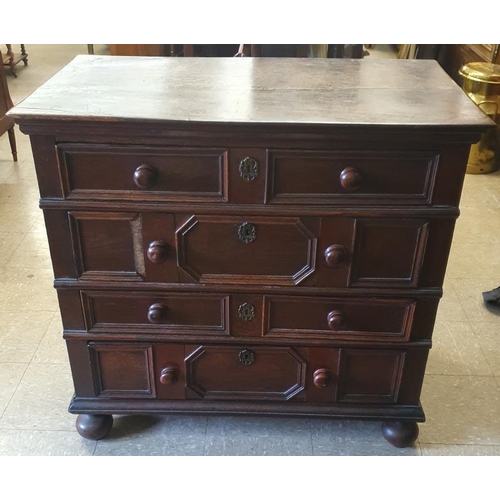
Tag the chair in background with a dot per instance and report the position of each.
(6, 122)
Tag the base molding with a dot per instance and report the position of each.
(130, 407)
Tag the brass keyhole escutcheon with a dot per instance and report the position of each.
(246, 357)
(246, 312)
(247, 232)
(249, 169)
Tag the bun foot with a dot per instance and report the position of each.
(93, 427)
(400, 434)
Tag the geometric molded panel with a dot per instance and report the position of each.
(388, 252)
(107, 245)
(127, 312)
(216, 372)
(366, 319)
(122, 370)
(370, 376)
(386, 177)
(106, 172)
(282, 252)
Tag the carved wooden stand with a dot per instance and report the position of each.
(11, 59)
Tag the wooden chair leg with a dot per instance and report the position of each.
(12, 140)
(24, 54)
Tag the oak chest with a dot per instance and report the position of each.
(249, 236)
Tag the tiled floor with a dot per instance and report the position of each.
(461, 394)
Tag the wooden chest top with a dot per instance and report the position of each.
(325, 92)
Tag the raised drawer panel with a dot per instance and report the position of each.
(388, 252)
(338, 318)
(130, 370)
(372, 252)
(143, 173)
(343, 177)
(263, 373)
(107, 245)
(255, 250)
(122, 370)
(186, 314)
(370, 376)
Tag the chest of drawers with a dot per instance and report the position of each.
(249, 236)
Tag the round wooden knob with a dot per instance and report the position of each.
(157, 313)
(157, 252)
(145, 176)
(169, 375)
(335, 255)
(351, 178)
(336, 320)
(322, 377)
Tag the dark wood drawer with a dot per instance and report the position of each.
(183, 314)
(334, 252)
(111, 172)
(255, 250)
(133, 370)
(343, 177)
(338, 318)
(232, 372)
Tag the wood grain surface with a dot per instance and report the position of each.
(253, 90)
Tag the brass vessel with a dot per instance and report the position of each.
(481, 82)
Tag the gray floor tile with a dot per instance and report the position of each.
(8, 244)
(361, 448)
(461, 410)
(246, 445)
(52, 347)
(10, 377)
(44, 443)
(21, 334)
(134, 435)
(353, 437)
(454, 450)
(344, 431)
(41, 400)
(27, 289)
(154, 436)
(450, 308)
(279, 427)
(488, 335)
(469, 292)
(186, 426)
(456, 351)
(33, 248)
(17, 218)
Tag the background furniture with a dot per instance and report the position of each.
(139, 50)
(265, 240)
(229, 50)
(12, 59)
(453, 57)
(6, 122)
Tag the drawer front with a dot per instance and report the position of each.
(368, 177)
(122, 370)
(370, 376)
(366, 319)
(253, 250)
(123, 246)
(372, 252)
(184, 314)
(332, 252)
(231, 373)
(143, 173)
(132, 370)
